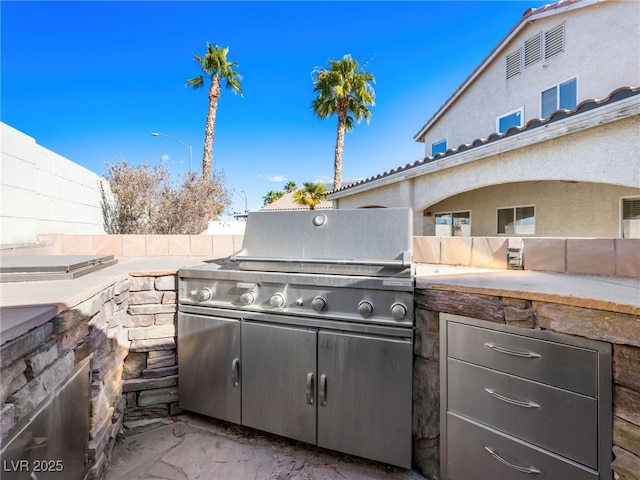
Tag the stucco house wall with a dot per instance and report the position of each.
(606, 155)
(42, 192)
(562, 208)
(595, 59)
(594, 148)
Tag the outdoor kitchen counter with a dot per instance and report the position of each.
(26, 305)
(614, 294)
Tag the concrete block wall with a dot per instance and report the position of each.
(203, 245)
(621, 331)
(590, 256)
(43, 192)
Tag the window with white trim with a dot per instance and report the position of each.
(453, 224)
(562, 96)
(510, 119)
(439, 147)
(517, 220)
(631, 217)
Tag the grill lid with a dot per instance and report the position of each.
(374, 241)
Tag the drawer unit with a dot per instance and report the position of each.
(545, 361)
(548, 417)
(488, 454)
(535, 403)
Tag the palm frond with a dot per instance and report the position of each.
(196, 82)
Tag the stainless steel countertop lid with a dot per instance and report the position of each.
(51, 267)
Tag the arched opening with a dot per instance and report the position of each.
(538, 208)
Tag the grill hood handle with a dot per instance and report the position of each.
(404, 260)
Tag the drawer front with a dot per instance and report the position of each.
(475, 452)
(554, 419)
(535, 359)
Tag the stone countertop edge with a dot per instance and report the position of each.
(614, 294)
(27, 305)
(42, 300)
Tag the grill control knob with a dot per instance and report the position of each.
(398, 311)
(319, 304)
(276, 300)
(247, 298)
(365, 308)
(204, 294)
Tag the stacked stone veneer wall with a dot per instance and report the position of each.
(37, 362)
(620, 330)
(150, 370)
(129, 329)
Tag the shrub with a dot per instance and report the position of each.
(142, 200)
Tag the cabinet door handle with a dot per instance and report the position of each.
(235, 372)
(519, 403)
(509, 351)
(310, 388)
(532, 470)
(323, 390)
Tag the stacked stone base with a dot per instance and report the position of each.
(36, 363)
(150, 372)
(622, 331)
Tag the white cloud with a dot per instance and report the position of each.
(273, 178)
(164, 158)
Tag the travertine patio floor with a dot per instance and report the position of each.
(197, 448)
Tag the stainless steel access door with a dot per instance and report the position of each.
(279, 379)
(364, 396)
(209, 365)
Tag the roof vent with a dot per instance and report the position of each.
(554, 41)
(533, 50)
(513, 64)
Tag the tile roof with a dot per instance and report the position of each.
(615, 96)
(286, 203)
(551, 6)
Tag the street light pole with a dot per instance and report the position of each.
(155, 134)
(244, 197)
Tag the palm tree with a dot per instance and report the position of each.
(217, 68)
(311, 195)
(344, 90)
(271, 197)
(290, 186)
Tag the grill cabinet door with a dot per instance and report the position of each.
(209, 365)
(278, 380)
(364, 396)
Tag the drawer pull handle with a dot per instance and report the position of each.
(508, 351)
(509, 464)
(512, 401)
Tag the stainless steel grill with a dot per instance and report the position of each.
(307, 331)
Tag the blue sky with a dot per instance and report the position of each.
(90, 80)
